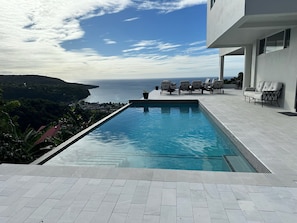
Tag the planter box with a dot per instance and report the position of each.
(145, 95)
(229, 86)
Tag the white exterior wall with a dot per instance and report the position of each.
(255, 7)
(281, 66)
(216, 22)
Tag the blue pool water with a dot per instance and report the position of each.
(167, 137)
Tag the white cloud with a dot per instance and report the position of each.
(109, 41)
(131, 19)
(134, 49)
(168, 6)
(198, 43)
(233, 65)
(192, 50)
(146, 43)
(167, 46)
(152, 45)
(32, 33)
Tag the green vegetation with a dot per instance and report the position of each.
(235, 80)
(41, 87)
(30, 127)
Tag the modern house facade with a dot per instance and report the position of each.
(266, 33)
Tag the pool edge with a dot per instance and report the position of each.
(255, 162)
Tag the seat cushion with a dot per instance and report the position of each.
(184, 85)
(217, 84)
(249, 94)
(165, 85)
(266, 86)
(275, 86)
(258, 96)
(196, 84)
(259, 86)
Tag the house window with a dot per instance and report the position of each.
(212, 2)
(287, 38)
(275, 42)
(262, 46)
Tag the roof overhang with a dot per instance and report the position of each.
(253, 27)
(233, 51)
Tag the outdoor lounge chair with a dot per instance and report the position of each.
(217, 85)
(168, 86)
(214, 85)
(206, 83)
(197, 85)
(184, 86)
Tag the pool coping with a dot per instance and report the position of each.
(247, 154)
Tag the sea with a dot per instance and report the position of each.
(123, 90)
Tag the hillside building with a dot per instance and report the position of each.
(266, 33)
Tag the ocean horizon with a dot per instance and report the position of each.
(123, 90)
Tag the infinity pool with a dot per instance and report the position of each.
(166, 136)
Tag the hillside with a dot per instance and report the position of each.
(42, 87)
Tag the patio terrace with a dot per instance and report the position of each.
(34, 193)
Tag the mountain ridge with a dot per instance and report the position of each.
(42, 87)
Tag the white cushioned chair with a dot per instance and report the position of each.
(265, 91)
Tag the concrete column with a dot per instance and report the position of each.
(248, 50)
(222, 63)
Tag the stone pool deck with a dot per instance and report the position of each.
(33, 193)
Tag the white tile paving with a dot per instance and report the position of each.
(30, 193)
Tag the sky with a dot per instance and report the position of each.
(108, 39)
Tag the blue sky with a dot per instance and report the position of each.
(108, 39)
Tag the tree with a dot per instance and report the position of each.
(15, 146)
(22, 140)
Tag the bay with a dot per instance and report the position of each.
(121, 91)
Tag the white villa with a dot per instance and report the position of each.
(265, 32)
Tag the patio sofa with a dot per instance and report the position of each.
(265, 91)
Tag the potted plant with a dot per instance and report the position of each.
(145, 94)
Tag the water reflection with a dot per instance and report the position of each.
(184, 109)
(169, 137)
(165, 110)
